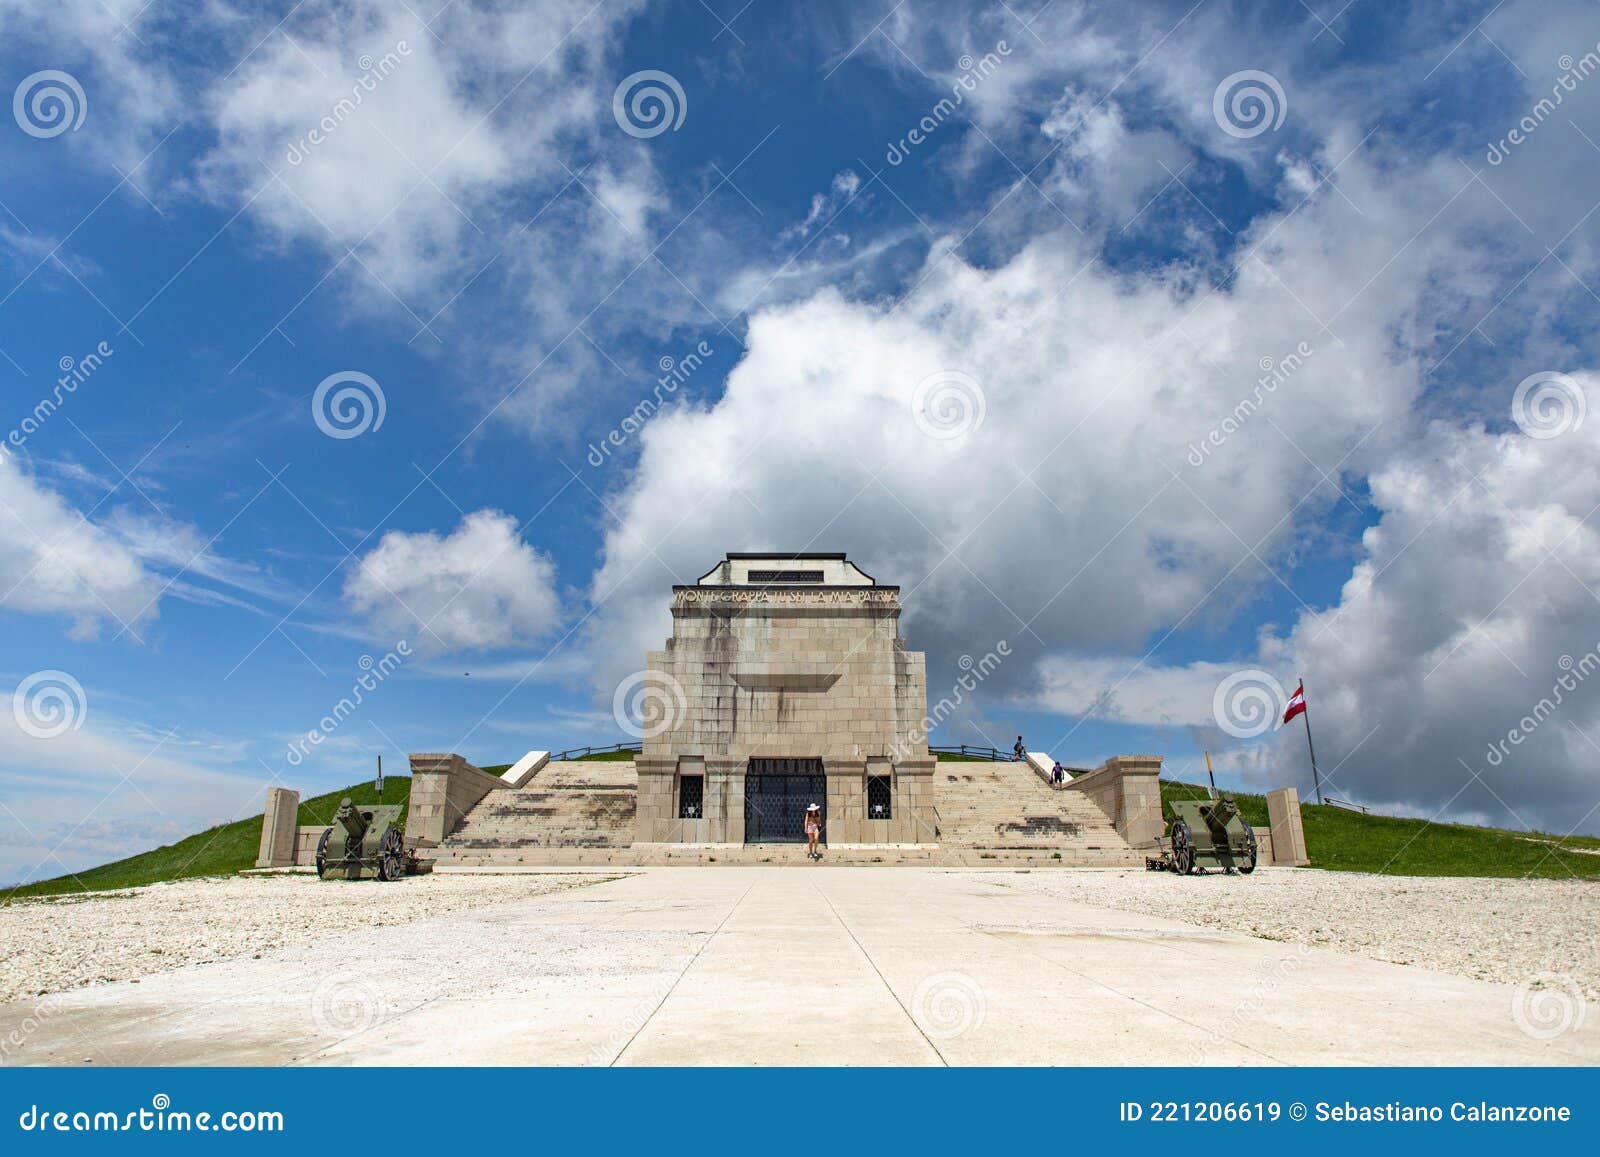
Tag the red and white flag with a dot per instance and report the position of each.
(1297, 702)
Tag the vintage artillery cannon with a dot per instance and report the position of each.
(1207, 833)
(364, 842)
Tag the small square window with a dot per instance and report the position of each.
(691, 797)
(880, 798)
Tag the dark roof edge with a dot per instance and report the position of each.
(783, 586)
(781, 554)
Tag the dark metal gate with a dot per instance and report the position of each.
(776, 795)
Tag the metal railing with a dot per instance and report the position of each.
(580, 752)
(965, 751)
(1348, 806)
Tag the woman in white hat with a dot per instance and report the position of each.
(813, 830)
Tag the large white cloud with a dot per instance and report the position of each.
(53, 560)
(479, 587)
(1092, 505)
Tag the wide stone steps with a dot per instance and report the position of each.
(996, 810)
(581, 813)
(711, 855)
(581, 806)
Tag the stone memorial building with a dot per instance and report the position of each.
(785, 683)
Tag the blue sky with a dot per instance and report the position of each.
(986, 363)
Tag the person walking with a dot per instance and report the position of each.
(813, 831)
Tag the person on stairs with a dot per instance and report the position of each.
(1018, 750)
(813, 831)
(1058, 774)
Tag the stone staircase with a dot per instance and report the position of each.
(581, 813)
(571, 807)
(1001, 813)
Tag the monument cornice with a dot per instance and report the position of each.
(810, 595)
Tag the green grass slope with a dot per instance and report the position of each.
(1348, 841)
(218, 851)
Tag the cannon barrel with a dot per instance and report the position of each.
(1219, 815)
(350, 816)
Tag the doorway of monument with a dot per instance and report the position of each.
(776, 795)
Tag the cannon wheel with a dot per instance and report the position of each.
(1251, 849)
(391, 856)
(322, 853)
(1182, 849)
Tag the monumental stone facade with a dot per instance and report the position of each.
(785, 683)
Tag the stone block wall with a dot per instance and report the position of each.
(1128, 789)
(305, 844)
(444, 787)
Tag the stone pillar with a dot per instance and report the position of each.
(914, 820)
(655, 802)
(847, 801)
(725, 799)
(279, 826)
(1288, 832)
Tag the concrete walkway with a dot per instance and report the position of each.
(774, 966)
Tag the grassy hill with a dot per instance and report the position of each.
(1348, 841)
(218, 851)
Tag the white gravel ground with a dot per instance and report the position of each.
(62, 942)
(1508, 931)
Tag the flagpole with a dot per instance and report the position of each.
(1305, 712)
